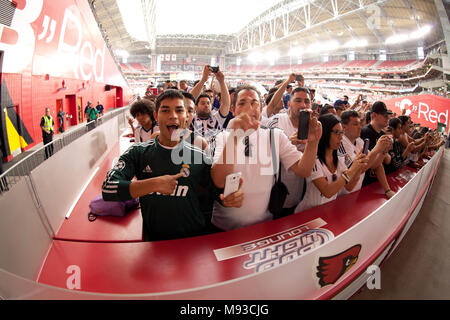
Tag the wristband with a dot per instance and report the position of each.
(346, 178)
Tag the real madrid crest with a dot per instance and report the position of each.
(185, 170)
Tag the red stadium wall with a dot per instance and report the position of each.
(53, 53)
(427, 109)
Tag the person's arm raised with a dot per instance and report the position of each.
(224, 95)
(304, 166)
(199, 86)
(278, 95)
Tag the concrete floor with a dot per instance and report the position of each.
(420, 266)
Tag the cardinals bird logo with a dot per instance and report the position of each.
(332, 268)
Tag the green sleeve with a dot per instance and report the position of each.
(116, 186)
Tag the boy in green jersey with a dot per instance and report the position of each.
(168, 171)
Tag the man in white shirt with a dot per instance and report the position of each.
(257, 167)
(352, 145)
(288, 122)
(206, 122)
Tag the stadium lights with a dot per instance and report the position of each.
(399, 38)
(356, 43)
(323, 46)
(255, 57)
(272, 55)
(122, 53)
(295, 52)
(420, 32)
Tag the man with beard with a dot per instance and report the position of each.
(256, 152)
(208, 122)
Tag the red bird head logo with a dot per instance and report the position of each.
(332, 268)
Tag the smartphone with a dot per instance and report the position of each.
(303, 125)
(213, 69)
(366, 146)
(231, 183)
(363, 97)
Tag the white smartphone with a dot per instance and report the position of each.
(231, 183)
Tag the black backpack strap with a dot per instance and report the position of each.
(274, 155)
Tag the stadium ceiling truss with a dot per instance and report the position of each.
(288, 24)
(110, 21)
(208, 44)
(293, 23)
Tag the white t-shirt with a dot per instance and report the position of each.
(313, 196)
(293, 182)
(348, 152)
(257, 173)
(142, 135)
(208, 127)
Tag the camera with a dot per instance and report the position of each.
(213, 69)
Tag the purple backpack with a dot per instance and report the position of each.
(100, 207)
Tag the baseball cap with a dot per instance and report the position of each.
(338, 103)
(380, 108)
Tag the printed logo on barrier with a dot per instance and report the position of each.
(330, 269)
(279, 248)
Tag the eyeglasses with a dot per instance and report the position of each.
(337, 132)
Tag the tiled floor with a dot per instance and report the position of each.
(419, 268)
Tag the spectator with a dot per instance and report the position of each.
(214, 100)
(373, 131)
(339, 106)
(184, 86)
(206, 122)
(352, 145)
(312, 94)
(288, 122)
(143, 112)
(287, 95)
(397, 154)
(345, 102)
(86, 110)
(167, 190)
(60, 115)
(330, 174)
(258, 179)
(326, 109)
(92, 115)
(99, 108)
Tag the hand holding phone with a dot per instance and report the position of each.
(303, 125)
(366, 146)
(231, 183)
(213, 69)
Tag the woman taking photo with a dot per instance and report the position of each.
(330, 174)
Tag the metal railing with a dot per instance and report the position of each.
(23, 168)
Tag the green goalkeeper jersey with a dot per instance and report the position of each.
(164, 216)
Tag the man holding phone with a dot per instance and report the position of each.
(289, 122)
(257, 167)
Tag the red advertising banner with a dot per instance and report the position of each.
(61, 39)
(427, 109)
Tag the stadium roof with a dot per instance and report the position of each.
(295, 26)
